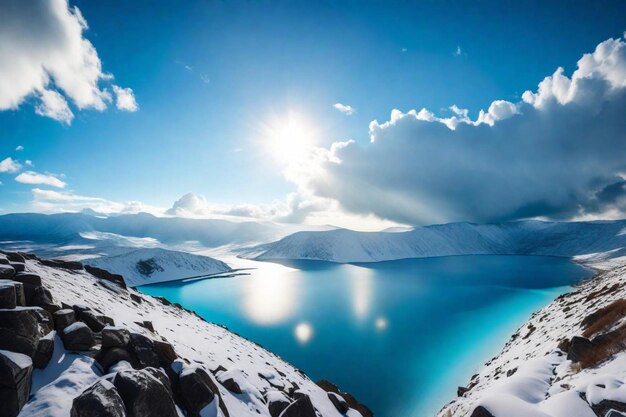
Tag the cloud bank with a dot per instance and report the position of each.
(45, 56)
(558, 153)
(35, 178)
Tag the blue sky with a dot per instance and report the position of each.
(210, 77)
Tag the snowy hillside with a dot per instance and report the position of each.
(528, 237)
(568, 360)
(152, 265)
(94, 347)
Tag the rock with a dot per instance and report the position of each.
(161, 376)
(4, 260)
(44, 351)
(6, 272)
(99, 400)
(579, 346)
(340, 404)
(15, 372)
(110, 356)
(7, 294)
(63, 318)
(27, 278)
(460, 391)
(302, 407)
(231, 386)
(352, 402)
(22, 327)
(15, 257)
(106, 275)
(165, 352)
(146, 325)
(42, 297)
(18, 266)
(481, 411)
(106, 320)
(276, 402)
(57, 263)
(136, 298)
(91, 320)
(115, 337)
(143, 348)
(605, 406)
(77, 336)
(20, 297)
(196, 389)
(144, 395)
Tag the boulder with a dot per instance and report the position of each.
(604, 407)
(276, 402)
(99, 400)
(45, 348)
(302, 407)
(91, 320)
(481, 411)
(143, 348)
(42, 297)
(115, 337)
(77, 336)
(20, 296)
(63, 318)
(110, 356)
(195, 389)
(161, 376)
(27, 278)
(352, 402)
(108, 321)
(15, 372)
(165, 352)
(144, 395)
(6, 272)
(340, 404)
(18, 266)
(22, 327)
(15, 257)
(4, 260)
(579, 346)
(231, 386)
(106, 275)
(8, 297)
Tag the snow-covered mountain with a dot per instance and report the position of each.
(152, 265)
(524, 238)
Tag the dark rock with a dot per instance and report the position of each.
(4, 261)
(15, 257)
(603, 407)
(276, 402)
(45, 348)
(91, 320)
(115, 337)
(196, 390)
(7, 294)
(143, 348)
(63, 318)
(460, 391)
(27, 278)
(106, 320)
(136, 298)
(99, 400)
(57, 263)
(481, 411)
(143, 394)
(579, 346)
(165, 352)
(15, 372)
(352, 402)
(106, 275)
(231, 386)
(146, 325)
(161, 376)
(77, 336)
(340, 404)
(20, 297)
(6, 272)
(21, 329)
(302, 407)
(18, 266)
(107, 357)
(41, 297)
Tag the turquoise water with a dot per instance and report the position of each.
(399, 335)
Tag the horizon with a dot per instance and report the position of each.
(293, 126)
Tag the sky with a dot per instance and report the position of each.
(358, 114)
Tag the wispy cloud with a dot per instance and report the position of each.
(345, 109)
(204, 78)
(19, 148)
(458, 51)
(35, 178)
(10, 165)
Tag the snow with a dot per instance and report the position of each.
(604, 239)
(203, 344)
(22, 361)
(159, 265)
(73, 327)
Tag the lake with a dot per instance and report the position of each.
(399, 335)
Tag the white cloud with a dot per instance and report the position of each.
(53, 105)
(558, 153)
(32, 177)
(9, 165)
(29, 163)
(344, 108)
(51, 201)
(46, 56)
(458, 51)
(125, 99)
(19, 148)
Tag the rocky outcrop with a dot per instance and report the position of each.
(78, 336)
(15, 372)
(143, 394)
(99, 400)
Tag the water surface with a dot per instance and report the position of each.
(399, 335)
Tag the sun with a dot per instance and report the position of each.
(290, 139)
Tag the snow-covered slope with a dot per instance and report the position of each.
(248, 377)
(541, 372)
(152, 265)
(527, 237)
